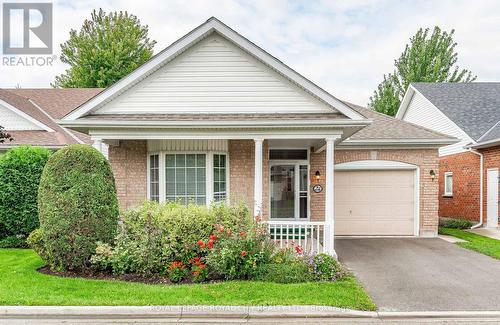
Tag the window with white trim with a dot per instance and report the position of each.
(219, 177)
(448, 184)
(185, 176)
(154, 177)
(199, 177)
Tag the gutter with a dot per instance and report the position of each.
(481, 185)
(215, 123)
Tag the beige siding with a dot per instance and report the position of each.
(14, 122)
(188, 145)
(421, 112)
(215, 77)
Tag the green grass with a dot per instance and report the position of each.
(485, 245)
(21, 284)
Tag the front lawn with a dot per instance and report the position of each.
(21, 284)
(481, 244)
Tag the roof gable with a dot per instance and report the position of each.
(474, 107)
(213, 25)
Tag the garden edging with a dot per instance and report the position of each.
(224, 312)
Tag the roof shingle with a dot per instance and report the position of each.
(473, 106)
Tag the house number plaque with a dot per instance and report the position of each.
(317, 188)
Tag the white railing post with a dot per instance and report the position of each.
(257, 189)
(329, 198)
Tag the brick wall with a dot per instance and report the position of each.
(425, 159)
(465, 200)
(242, 171)
(491, 160)
(129, 164)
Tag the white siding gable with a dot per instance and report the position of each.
(422, 112)
(214, 76)
(12, 121)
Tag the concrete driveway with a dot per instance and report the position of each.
(422, 274)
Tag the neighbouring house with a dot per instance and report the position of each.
(213, 117)
(29, 116)
(468, 175)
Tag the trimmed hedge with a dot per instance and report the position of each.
(20, 171)
(77, 207)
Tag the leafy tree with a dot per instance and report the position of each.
(4, 135)
(428, 58)
(107, 47)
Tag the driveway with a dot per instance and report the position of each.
(422, 274)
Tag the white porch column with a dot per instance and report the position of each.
(329, 199)
(257, 188)
(97, 143)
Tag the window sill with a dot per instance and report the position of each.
(449, 196)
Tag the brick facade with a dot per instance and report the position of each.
(464, 203)
(129, 163)
(491, 160)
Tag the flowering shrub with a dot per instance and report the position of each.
(101, 260)
(199, 270)
(325, 268)
(177, 271)
(154, 235)
(235, 255)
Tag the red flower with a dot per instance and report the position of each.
(196, 260)
(221, 229)
(258, 218)
(213, 237)
(299, 250)
(201, 243)
(210, 244)
(176, 265)
(243, 234)
(243, 253)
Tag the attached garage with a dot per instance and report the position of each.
(376, 198)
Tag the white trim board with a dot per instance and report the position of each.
(202, 31)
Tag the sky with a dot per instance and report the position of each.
(343, 46)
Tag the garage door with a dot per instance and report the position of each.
(374, 202)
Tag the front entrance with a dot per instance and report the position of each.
(492, 197)
(288, 191)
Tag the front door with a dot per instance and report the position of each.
(288, 191)
(492, 197)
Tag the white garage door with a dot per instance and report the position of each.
(374, 202)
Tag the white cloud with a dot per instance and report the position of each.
(343, 46)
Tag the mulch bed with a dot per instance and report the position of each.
(105, 276)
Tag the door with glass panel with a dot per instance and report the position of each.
(288, 191)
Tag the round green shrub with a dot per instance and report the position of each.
(20, 171)
(77, 206)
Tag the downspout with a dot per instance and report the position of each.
(481, 168)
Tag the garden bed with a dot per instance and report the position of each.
(22, 285)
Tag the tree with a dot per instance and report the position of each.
(4, 135)
(107, 47)
(428, 58)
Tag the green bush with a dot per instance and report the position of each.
(35, 241)
(154, 235)
(236, 255)
(13, 242)
(457, 223)
(77, 206)
(20, 171)
(325, 268)
(295, 272)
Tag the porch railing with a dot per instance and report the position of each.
(308, 236)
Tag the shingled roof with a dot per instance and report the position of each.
(45, 106)
(385, 127)
(474, 106)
